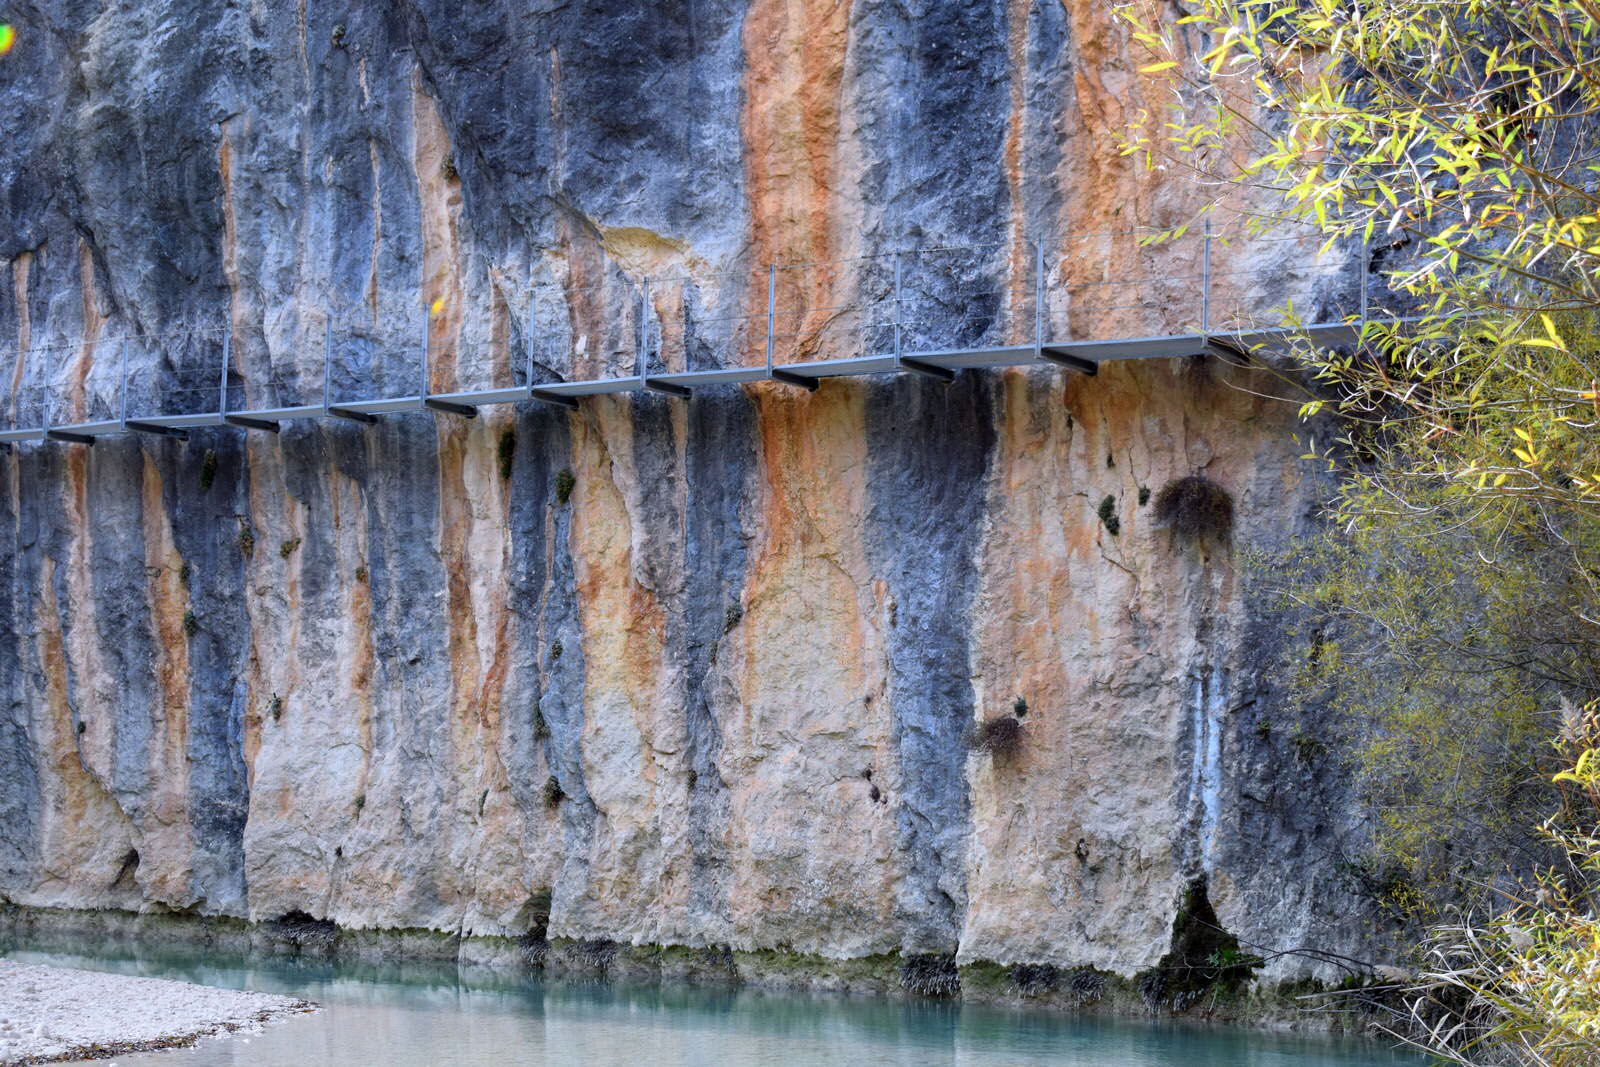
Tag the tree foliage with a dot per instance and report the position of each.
(1463, 131)
(1523, 987)
(1455, 145)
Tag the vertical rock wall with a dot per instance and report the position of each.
(698, 672)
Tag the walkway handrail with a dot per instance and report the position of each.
(887, 300)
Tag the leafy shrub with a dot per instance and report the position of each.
(191, 625)
(999, 736)
(208, 469)
(447, 167)
(564, 484)
(552, 792)
(1108, 515)
(1523, 987)
(1306, 746)
(732, 617)
(1196, 507)
(287, 549)
(247, 539)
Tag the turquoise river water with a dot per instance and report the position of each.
(397, 1015)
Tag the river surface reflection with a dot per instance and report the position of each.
(408, 1013)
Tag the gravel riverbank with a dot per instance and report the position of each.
(49, 1014)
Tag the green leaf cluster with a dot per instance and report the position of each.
(1453, 611)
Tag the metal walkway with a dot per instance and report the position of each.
(930, 311)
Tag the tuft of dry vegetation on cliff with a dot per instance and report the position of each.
(930, 976)
(1000, 736)
(1195, 507)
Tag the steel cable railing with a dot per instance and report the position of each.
(859, 314)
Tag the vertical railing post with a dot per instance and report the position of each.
(123, 392)
(898, 340)
(533, 311)
(1205, 282)
(772, 312)
(427, 369)
(1038, 298)
(638, 332)
(227, 359)
(327, 362)
(1362, 280)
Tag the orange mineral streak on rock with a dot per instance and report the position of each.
(1106, 194)
(83, 831)
(811, 716)
(347, 726)
(1020, 259)
(633, 731)
(20, 269)
(600, 307)
(795, 53)
(439, 199)
(1067, 617)
(96, 692)
(230, 235)
(474, 548)
(166, 875)
(289, 804)
(351, 543)
(813, 848)
(93, 323)
(474, 545)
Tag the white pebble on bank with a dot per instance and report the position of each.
(74, 1012)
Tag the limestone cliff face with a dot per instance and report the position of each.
(717, 692)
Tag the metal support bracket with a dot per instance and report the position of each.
(158, 431)
(73, 438)
(244, 422)
(1070, 361)
(353, 416)
(789, 377)
(1226, 351)
(656, 385)
(928, 370)
(545, 397)
(466, 411)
